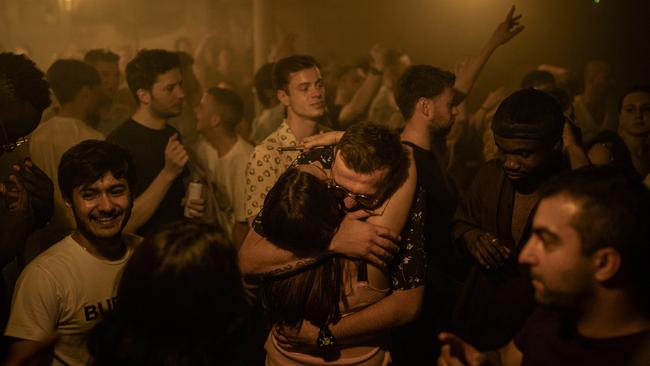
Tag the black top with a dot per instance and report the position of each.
(549, 339)
(147, 147)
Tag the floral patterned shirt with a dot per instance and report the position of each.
(267, 163)
(408, 268)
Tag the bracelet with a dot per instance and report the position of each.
(325, 338)
(375, 71)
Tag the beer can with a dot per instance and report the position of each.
(194, 192)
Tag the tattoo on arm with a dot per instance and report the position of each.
(301, 264)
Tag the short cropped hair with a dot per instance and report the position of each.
(284, 67)
(367, 147)
(614, 212)
(68, 76)
(146, 66)
(232, 104)
(529, 114)
(421, 81)
(101, 55)
(21, 82)
(88, 161)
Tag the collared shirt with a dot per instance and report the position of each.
(267, 163)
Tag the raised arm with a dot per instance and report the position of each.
(362, 98)
(146, 203)
(505, 31)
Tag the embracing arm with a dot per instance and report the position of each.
(399, 308)
(362, 98)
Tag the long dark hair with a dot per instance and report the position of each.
(301, 215)
(180, 302)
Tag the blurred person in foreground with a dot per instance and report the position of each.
(181, 302)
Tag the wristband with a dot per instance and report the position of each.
(325, 338)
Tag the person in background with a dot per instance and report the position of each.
(116, 103)
(77, 86)
(587, 256)
(493, 219)
(223, 155)
(154, 78)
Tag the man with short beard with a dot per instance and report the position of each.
(587, 256)
(154, 78)
(70, 286)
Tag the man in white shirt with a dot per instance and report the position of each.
(77, 87)
(223, 154)
(70, 286)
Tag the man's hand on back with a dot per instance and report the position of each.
(358, 239)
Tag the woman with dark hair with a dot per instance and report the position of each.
(181, 302)
(608, 148)
(301, 214)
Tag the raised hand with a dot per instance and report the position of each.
(378, 56)
(507, 29)
(175, 156)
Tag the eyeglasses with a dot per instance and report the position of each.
(11, 146)
(341, 193)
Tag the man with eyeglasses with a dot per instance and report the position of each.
(363, 170)
(26, 191)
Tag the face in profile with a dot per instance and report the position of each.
(561, 274)
(166, 96)
(444, 112)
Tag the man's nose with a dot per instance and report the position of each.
(105, 203)
(511, 164)
(349, 202)
(179, 92)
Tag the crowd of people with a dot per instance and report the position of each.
(367, 217)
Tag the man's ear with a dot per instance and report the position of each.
(283, 97)
(425, 106)
(215, 120)
(606, 264)
(144, 96)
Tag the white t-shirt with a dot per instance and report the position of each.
(228, 172)
(48, 142)
(65, 290)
